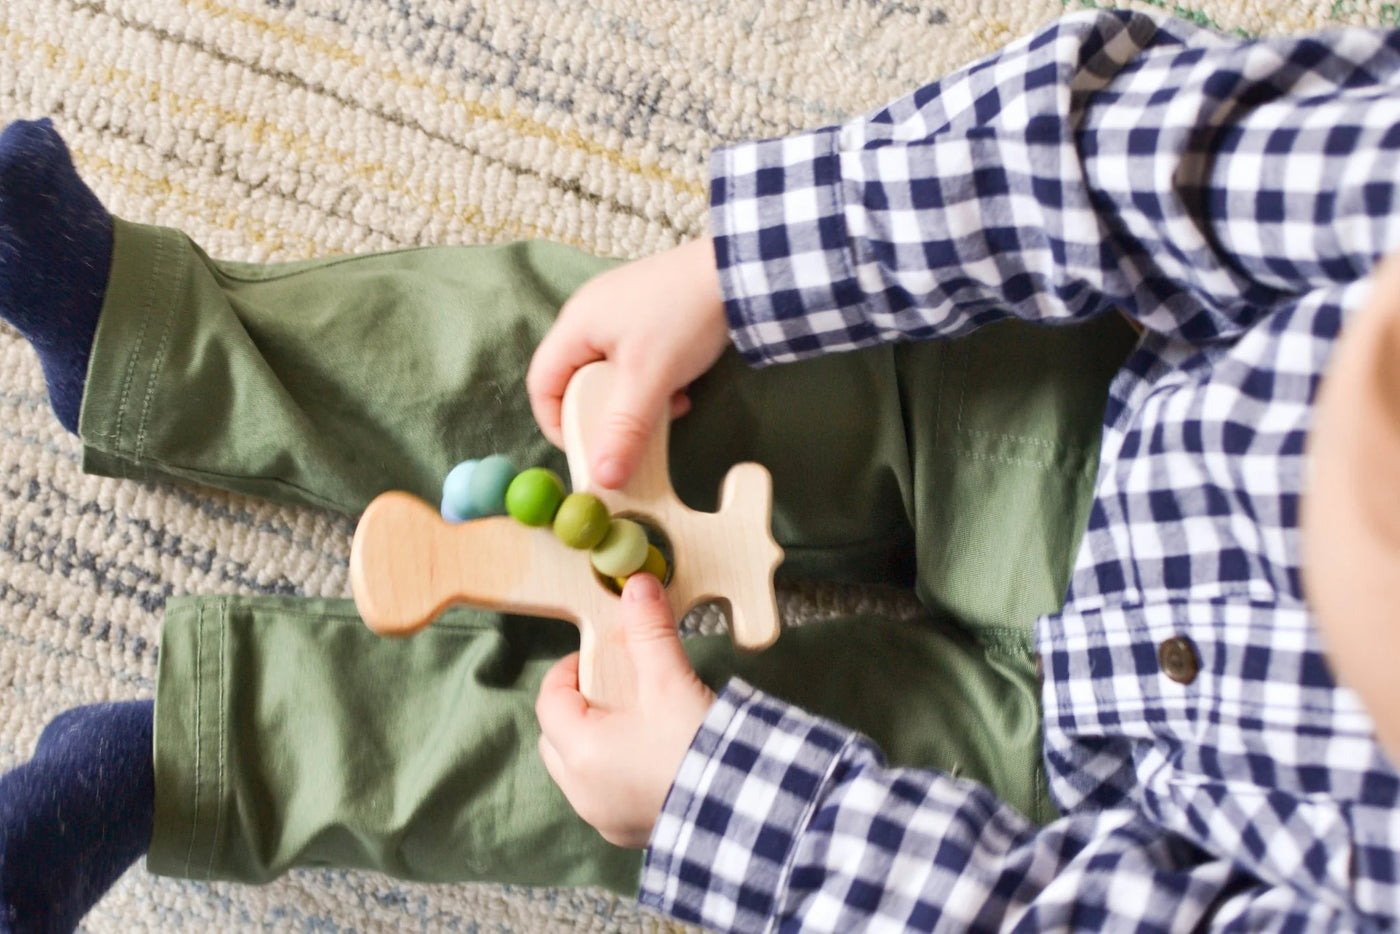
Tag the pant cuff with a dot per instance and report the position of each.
(133, 335)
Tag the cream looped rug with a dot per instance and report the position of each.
(283, 129)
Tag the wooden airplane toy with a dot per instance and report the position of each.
(408, 564)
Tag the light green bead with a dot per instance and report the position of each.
(533, 497)
(582, 520)
(622, 550)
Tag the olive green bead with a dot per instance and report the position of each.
(582, 520)
(534, 496)
(622, 550)
(655, 563)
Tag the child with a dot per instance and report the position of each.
(286, 734)
(1230, 197)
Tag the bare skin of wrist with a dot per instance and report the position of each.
(661, 320)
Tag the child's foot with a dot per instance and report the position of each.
(76, 816)
(55, 253)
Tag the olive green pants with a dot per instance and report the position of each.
(289, 735)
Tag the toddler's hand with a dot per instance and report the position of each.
(661, 320)
(616, 766)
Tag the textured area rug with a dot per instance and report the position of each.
(282, 129)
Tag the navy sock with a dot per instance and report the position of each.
(76, 816)
(55, 257)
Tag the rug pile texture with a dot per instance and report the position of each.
(284, 129)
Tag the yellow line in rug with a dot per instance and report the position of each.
(472, 109)
(275, 238)
(164, 189)
(293, 82)
(58, 59)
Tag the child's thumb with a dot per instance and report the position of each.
(650, 629)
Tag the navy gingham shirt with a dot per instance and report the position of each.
(1232, 197)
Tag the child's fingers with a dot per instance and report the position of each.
(556, 360)
(650, 627)
(559, 707)
(554, 765)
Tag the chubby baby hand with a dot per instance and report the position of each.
(661, 321)
(616, 766)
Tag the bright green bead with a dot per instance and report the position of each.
(533, 497)
(486, 490)
(622, 550)
(582, 520)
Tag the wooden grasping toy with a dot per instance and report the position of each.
(408, 564)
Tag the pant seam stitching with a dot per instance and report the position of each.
(942, 395)
(198, 733)
(995, 435)
(219, 772)
(1004, 459)
(962, 385)
(214, 478)
(157, 362)
(147, 301)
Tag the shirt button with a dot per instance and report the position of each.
(1177, 656)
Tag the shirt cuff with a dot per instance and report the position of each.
(721, 851)
(782, 247)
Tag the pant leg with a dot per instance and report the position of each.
(991, 443)
(1004, 429)
(288, 735)
(321, 382)
(963, 467)
(328, 382)
(963, 464)
(927, 691)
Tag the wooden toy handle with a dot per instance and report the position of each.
(407, 565)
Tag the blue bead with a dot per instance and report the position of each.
(487, 490)
(456, 493)
(449, 514)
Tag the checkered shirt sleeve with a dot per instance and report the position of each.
(778, 820)
(1109, 160)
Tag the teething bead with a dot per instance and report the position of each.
(456, 501)
(582, 520)
(655, 565)
(533, 497)
(622, 550)
(486, 492)
(449, 514)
